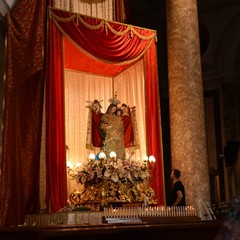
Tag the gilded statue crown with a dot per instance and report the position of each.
(114, 100)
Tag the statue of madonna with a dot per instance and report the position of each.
(112, 130)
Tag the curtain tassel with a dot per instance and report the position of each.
(77, 20)
(131, 32)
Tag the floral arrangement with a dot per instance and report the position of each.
(111, 179)
(114, 169)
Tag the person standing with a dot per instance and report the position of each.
(178, 190)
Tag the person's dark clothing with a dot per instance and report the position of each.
(178, 186)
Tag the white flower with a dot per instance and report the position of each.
(107, 173)
(114, 177)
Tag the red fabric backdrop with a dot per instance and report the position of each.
(23, 96)
(55, 137)
(115, 43)
(77, 60)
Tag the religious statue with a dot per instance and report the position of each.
(112, 131)
(111, 126)
(94, 118)
(130, 126)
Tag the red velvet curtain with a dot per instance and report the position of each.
(55, 134)
(95, 36)
(116, 43)
(153, 122)
(23, 96)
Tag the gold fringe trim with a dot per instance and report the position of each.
(105, 23)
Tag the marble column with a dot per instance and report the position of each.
(186, 103)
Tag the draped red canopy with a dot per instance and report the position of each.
(110, 43)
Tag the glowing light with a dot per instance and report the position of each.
(91, 156)
(102, 155)
(152, 159)
(113, 155)
(145, 158)
(69, 164)
(78, 165)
